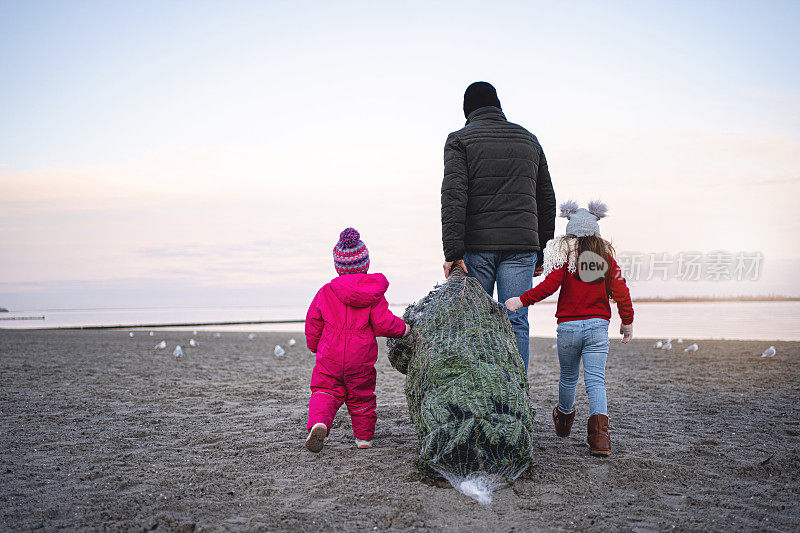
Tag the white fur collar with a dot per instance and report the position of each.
(559, 252)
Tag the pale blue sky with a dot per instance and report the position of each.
(223, 145)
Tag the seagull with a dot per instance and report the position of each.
(659, 344)
(279, 351)
(151, 333)
(178, 353)
(217, 335)
(194, 332)
(769, 352)
(130, 334)
(161, 345)
(251, 336)
(291, 342)
(193, 343)
(691, 348)
(680, 341)
(667, 346)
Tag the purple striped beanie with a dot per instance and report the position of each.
(350, 255)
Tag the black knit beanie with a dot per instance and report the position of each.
(479, 94)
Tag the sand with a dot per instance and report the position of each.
(100, 431)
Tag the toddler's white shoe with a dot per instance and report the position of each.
(316, 437)
(363, 444)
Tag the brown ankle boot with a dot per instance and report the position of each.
(599, 440)
(563, 421)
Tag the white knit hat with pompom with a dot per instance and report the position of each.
(583, 222)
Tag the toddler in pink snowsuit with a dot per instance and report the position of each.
(341, 325)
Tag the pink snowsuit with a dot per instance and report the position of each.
(341, 325)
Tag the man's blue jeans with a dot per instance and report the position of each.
(513, 273)
(585, 340)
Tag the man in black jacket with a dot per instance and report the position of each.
(498, 205)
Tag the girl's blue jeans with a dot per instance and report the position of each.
(585, 340)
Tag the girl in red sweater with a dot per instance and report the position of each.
(582, 264)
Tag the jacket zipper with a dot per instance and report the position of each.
(344, 337)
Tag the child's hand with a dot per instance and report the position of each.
(626, 330)
(512, 304)
(408, 330)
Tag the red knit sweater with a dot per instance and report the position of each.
(579, 300)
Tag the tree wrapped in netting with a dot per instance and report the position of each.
(466, 384)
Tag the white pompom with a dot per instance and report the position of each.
(598, 209)
(568, 208)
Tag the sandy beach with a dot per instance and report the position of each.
(101, 431)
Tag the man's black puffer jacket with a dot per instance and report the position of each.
(496, 192)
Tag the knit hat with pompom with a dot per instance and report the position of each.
(350, 255)
(583, 222)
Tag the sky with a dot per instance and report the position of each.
(209, 153)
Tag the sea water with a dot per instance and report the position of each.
(690, 320)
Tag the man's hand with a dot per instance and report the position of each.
(512, 304)
(448, 266)
(626, 330)
(537, 271)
